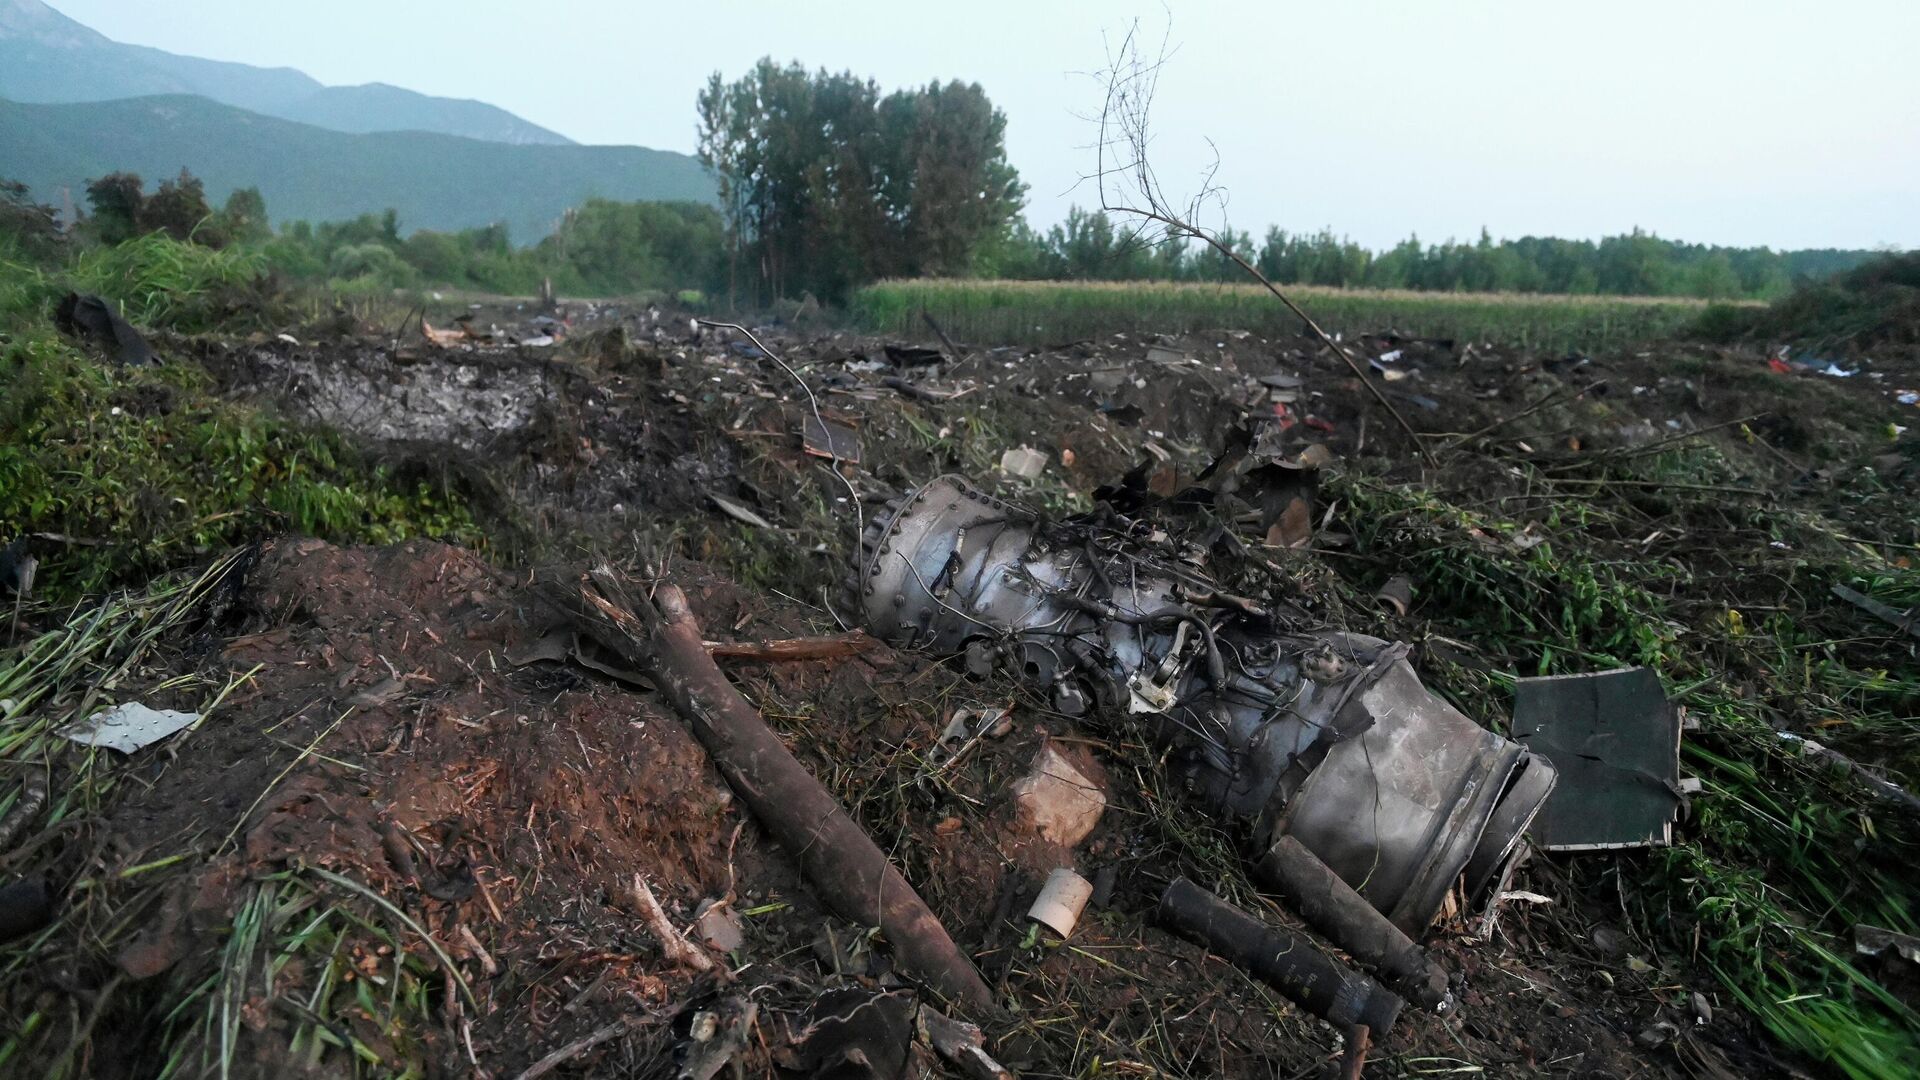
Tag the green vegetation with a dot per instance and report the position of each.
(1783, 857)
(146, 469)
(601, 249)
(827, 185)
(1091, 246)
(369, 977)
(139, 470)
(1052, 312)
(1873, 306)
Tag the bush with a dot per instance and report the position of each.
(372, 263)
(1868, 307)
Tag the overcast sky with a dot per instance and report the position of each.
(1790, 124)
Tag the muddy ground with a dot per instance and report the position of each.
(396, 731)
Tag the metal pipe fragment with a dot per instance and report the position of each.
(1286, 961)
(1332, 907)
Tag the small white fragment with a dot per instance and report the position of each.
(1024, 462)
(127, 727)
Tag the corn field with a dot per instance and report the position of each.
(1051, 312)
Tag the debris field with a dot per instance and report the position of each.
(434, 816)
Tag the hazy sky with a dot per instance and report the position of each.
(1739, 122)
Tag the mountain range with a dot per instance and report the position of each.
(76, 105)
(441, 182)
(46, 57)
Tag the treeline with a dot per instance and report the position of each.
(1093, 246)
(827, 184)
(600, 248)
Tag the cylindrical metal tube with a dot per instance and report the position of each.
(1330, 905)
(1396, 595)
(1287, 961)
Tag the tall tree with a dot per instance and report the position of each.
(117, 200)
(244, 217)
(826, 184)
(179, 208)
(29, 228)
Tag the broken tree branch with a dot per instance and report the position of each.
(837, 857)
(677, 948)
(953, 351)
(580, 1046)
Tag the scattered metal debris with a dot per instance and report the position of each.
(1875, 941)
(827, 439)
(25, 906)
(1906, 621)
(739, 511)
(95, 320)
(1325, 736)
(1332, 907)
(1288, 962)
(1024, 462)
(961, 1043)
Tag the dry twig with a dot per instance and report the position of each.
(803, 648)
(676, 947)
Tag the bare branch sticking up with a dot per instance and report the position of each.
(1128, 185)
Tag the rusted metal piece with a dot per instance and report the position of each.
(1330, 906)
(1288, 962)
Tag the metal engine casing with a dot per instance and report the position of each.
(1325, 736)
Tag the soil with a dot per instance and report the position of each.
(387, 734)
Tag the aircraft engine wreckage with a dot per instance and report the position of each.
(1297, 731)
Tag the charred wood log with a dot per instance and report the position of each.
(660, 635)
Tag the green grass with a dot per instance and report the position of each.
(1037, 312)
(162, 283)
(1781, 859)
(352, 979)
(133, 471)
(53, 679)
(128, 472)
